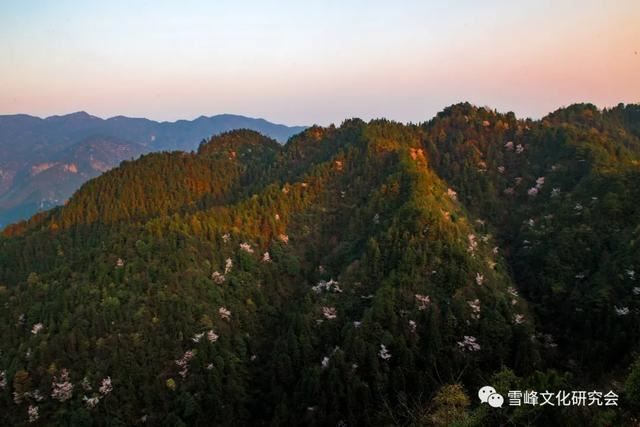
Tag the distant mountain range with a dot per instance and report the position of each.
(43, 161)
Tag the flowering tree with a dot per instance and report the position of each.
(384, 352)
(246, 247)
(61, 387)
(423, 301)
(475, 308)
(183, 362)
(228, 265)
(218, 278)
(91, 402)
(33, 413)
(212, 336)
(329, 313)
(224, 313)
(105, 386)
(472, 243)
(452, 194)
(469, 343)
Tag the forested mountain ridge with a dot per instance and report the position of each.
(43, 161)
(367, 274)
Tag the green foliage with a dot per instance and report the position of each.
(366, 274)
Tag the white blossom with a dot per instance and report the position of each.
(277, 217)
(540, 182)
(119, 263)
(105, 386)
(3, 380)
(32, 412)
(246, 247)
(475, 308)
(228, 265)
(469, 343)
(325, 362)
(37, 328)
(423, 301)
(197, 337)
(329, 313)
(479, 279)
(412, 326)
(519, 148)
(91, 402)
(509, 145)
(518, 319)
(631, 274)
(266, 257)
(578, 207)
(512, 291)
(376, 219)
(357, 323)
(621, 311)
(533, 191)
(61, 387)
(212, 336)
(452, 194)
(226, 237)
(501, 169)
(224, 313)
(218, 278)
(384, 352)
(323, 285)
(284, 238)
(183, 362)
(555, 192)
(473, 243)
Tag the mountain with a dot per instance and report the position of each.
(76, 147)
(367, 274)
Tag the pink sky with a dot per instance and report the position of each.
(302, 64)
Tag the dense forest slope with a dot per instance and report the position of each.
(367, 274)
(43, 161)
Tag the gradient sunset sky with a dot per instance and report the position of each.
(299, 62)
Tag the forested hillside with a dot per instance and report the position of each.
(44, 161)
(367, 274)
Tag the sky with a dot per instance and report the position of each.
(306, 62)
